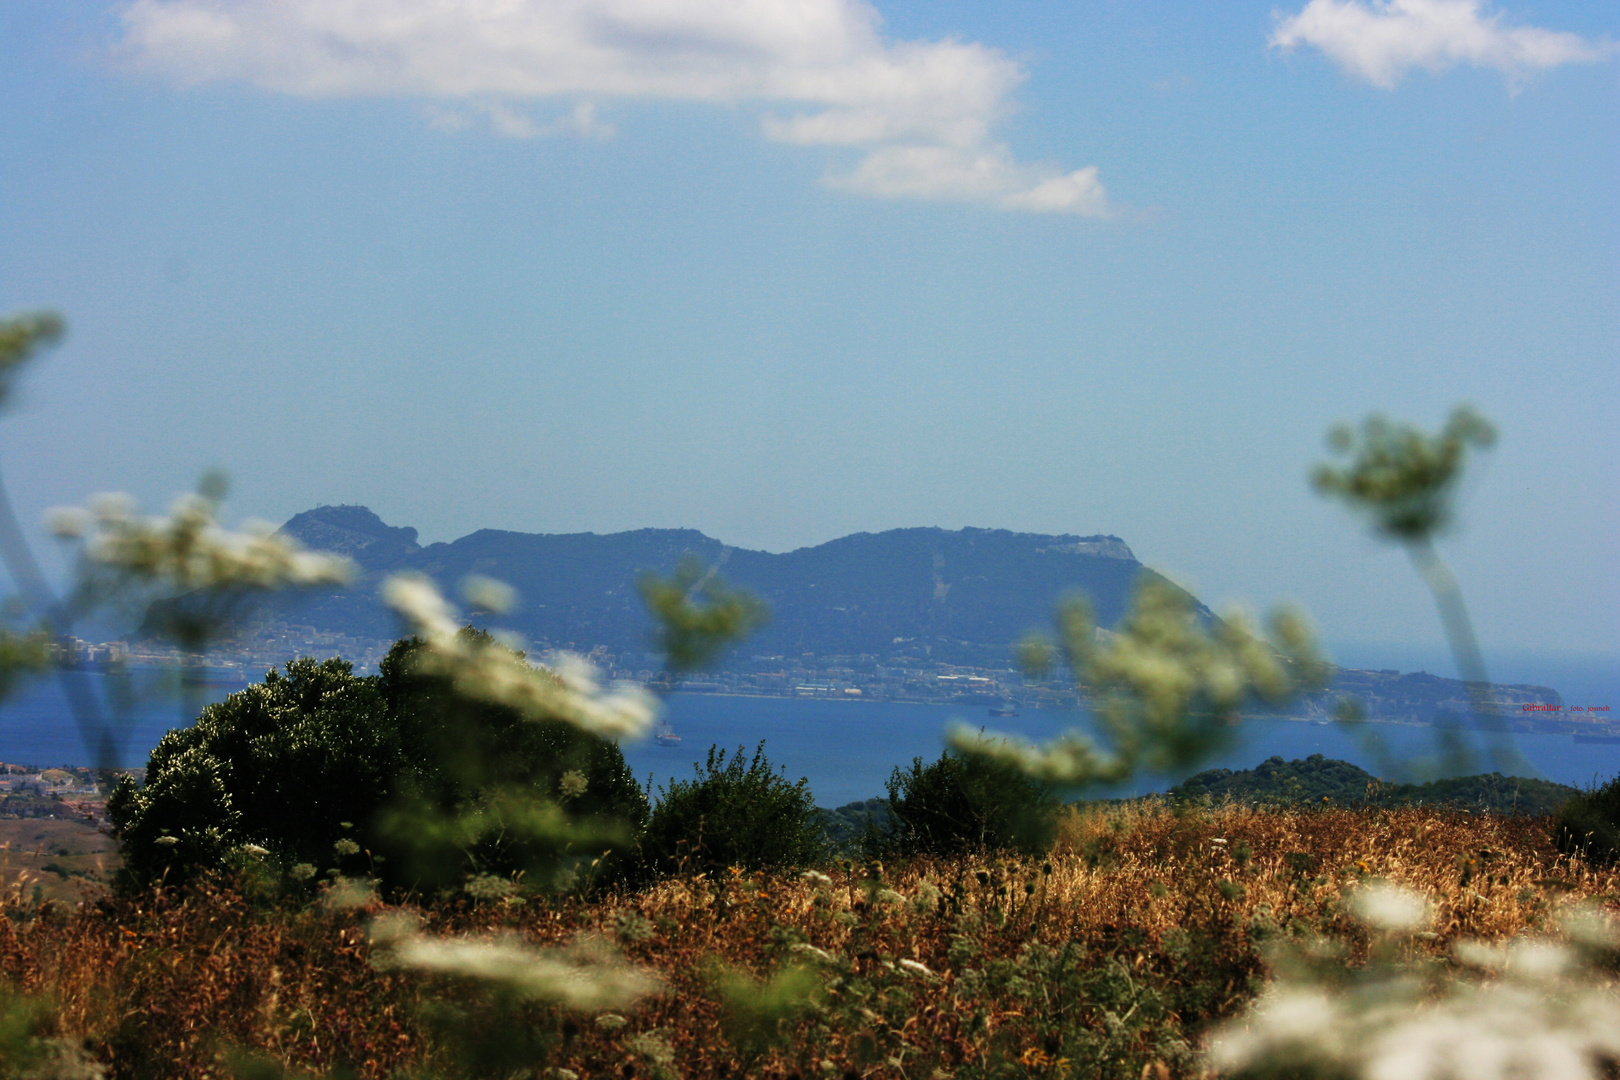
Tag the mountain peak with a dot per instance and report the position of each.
(354, 531)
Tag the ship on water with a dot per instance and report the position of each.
(664, 735)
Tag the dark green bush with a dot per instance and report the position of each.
(734, 812)
(328, 771)
(968, 803)
(1589, 824)
(281, 765)
(483, 790)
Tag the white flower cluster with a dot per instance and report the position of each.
(481, 671)
(1166, 687)
(188, 550)
(586, 975)
(1527, 1010)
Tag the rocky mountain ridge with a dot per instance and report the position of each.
(948, 595)
(886, 615)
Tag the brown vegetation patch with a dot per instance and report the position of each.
(55, 859)
(1106, 959)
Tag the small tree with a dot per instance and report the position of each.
(281, 765)
(734, 812)
(966, 802)
(487, 789)
(316, 765)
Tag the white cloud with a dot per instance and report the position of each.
(922, 112)
(511, 123)
(975, 174)
(1380, 42)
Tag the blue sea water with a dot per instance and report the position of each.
(845, 749)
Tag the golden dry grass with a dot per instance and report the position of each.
(81, 859)
(1144, 926)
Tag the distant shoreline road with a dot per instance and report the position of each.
(1298, 718)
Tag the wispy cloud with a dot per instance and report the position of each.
(923, 114)
(1381, 41)
(513, 123)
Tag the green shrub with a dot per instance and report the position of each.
(487, 791)
(328, 771)
(969, 803)
(734, 812)
(280, 765)
(1590, 823)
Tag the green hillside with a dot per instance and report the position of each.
(1317, 779)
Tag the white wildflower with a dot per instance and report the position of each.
(419, 603)
(1286, 1023)
(1525, 1010)
(571, 784)
(811, 952)
(112, 506)
(567, 690)
(391, 927)
(489, 887)
(1590, 926)
(1067, 759)
(188, 553)
(1164, 684)
(583, 977)
(1390, 908)
(345, 893)
(488, 594)
(67, 522)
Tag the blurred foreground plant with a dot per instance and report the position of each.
(697, 614)
(482, 668)
(1532, 1009)
(191, 575)
(1404, 481)
(1168, 690)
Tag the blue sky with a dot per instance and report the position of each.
(782, 270)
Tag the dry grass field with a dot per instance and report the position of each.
(1110, 958)
(55, 859)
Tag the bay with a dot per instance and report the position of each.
(845, 749)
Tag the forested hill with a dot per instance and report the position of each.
(1318, 781)
(959, 596)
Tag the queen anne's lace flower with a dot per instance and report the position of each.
(1168, 688)
(566, 689)
(1527, 1010)
(584, 976)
